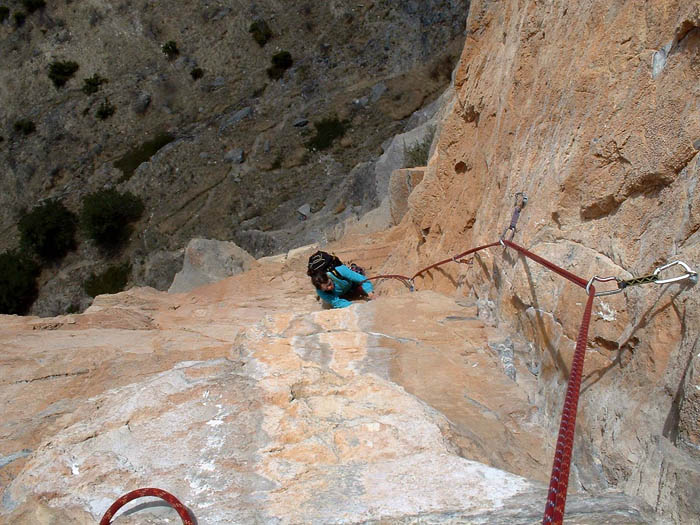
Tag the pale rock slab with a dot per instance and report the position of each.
(207, 261)
(253, 405)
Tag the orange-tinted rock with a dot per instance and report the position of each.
(590, 109)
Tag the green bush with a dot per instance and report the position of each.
(48, 230)
(4, 13)
(62, 72)
(18, 288)
(106, 217)
(33, 5)
(92, 85)
(261, 32)
(417, 154)
(170, 49)
(281, 62)
(19, 18)
(327, 130)
(105, 110)
(137, 156)
(197, 73)
(24, 126)
(112, 280)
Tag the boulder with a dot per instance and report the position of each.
(208, 261)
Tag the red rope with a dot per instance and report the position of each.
(139, 493)
(559, 481)
(561, 271)
(451, 259)
(388, 276)
(454, 259)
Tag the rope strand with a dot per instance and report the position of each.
(148, 491)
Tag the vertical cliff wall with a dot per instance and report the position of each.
(591, 108)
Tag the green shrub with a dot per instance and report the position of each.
(327, 130)
(197, 73)
(281, 62)
(19, 18)
(106, 216)
(48, 230)
(62, 72)
(137, 156)
(4, 13)
(417, 154)
(112, 280)
(170, 49)
(24, 126)
(105, 110)
(92, 85)
(33, 5)
(18, 288)
(261, 32)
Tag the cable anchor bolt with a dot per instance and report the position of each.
(523, 199)
(516, 215)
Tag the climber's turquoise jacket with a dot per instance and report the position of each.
(343, 286)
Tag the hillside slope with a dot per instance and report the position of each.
(214, 144)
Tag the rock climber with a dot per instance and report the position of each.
(340, 286)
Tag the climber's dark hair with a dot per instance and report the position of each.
(319, 278)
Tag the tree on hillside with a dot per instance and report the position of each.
(107, 215)
(18, 288)
(48, 230)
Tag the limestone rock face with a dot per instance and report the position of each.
(591, 110)
(252, 404)
(401, 184)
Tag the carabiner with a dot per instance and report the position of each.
(602, 279)
(689, 273)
